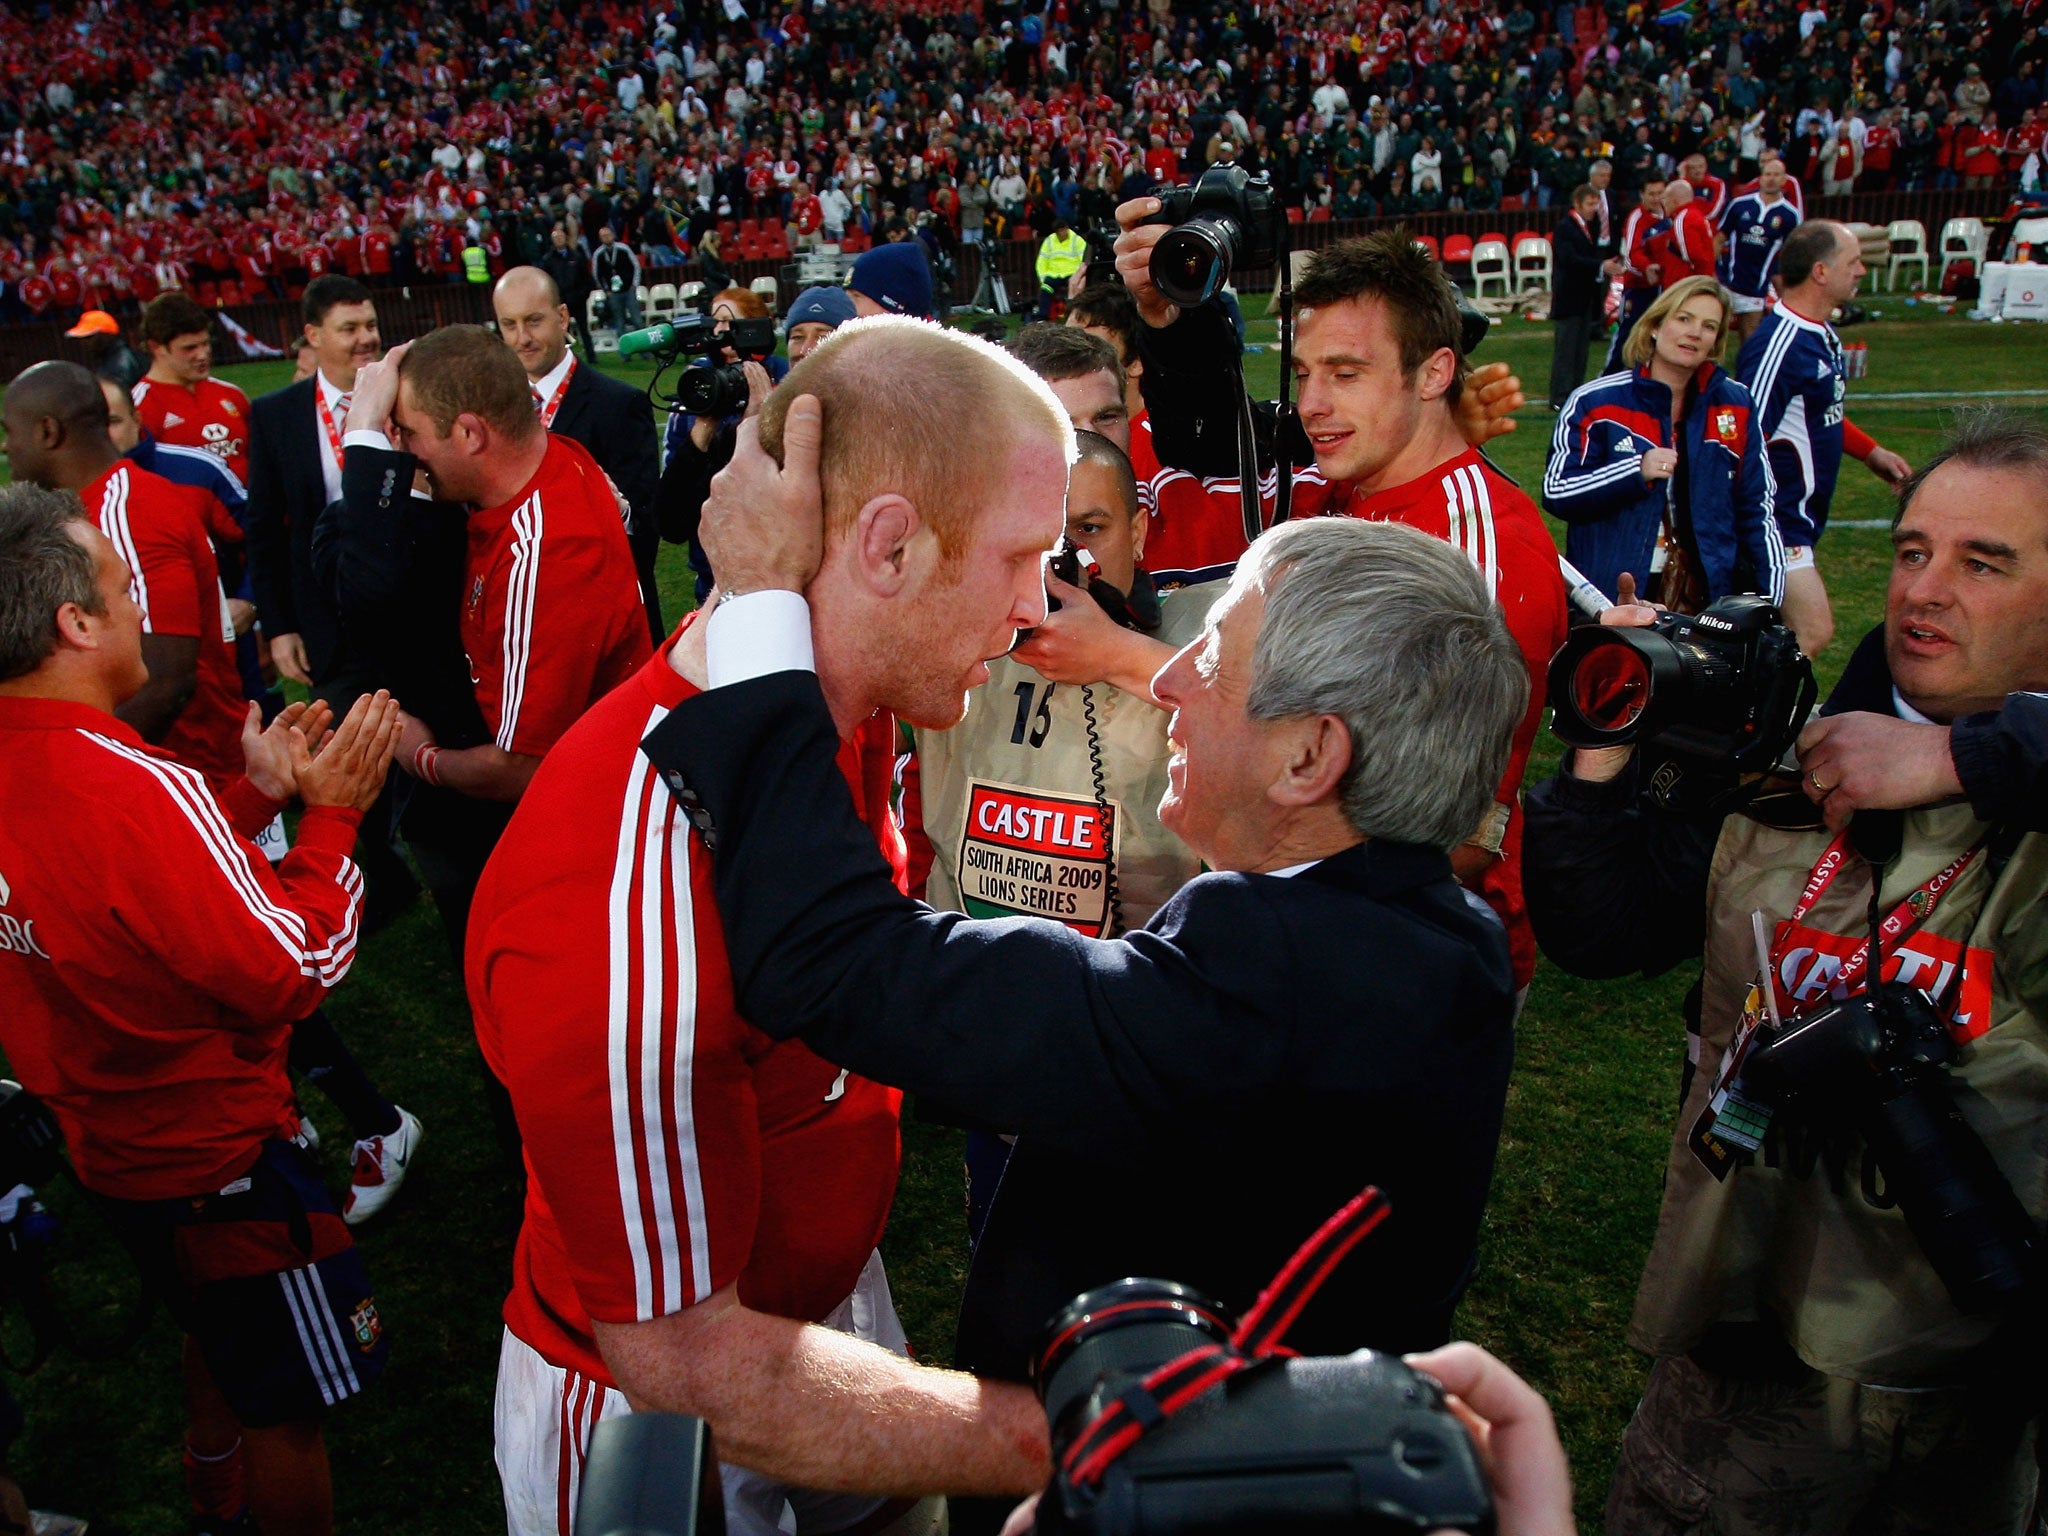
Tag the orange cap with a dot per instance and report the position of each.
(95, 322)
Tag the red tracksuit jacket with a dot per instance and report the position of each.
(151, 962)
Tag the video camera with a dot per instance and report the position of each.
(1726, 685)
(716, 388)
(1877, 1064)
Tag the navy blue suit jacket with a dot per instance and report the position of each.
(1192, 1100)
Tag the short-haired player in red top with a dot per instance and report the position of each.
(702, 1198)
(1379, 378)
(151, 961)
(58, 435)
(179, 399)
(1686, 248)
(549, 593)
(58, 421)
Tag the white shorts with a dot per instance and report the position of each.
(1743, 304)
(543, 1416)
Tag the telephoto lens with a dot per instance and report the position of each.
(1727, 684)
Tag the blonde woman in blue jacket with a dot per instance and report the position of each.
(1661, 472)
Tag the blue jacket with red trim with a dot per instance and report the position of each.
(1720, 500)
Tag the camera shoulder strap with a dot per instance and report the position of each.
(1887, 930)
(1145, 1406)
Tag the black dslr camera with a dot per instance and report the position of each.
(1877, 1064)
(1728, 684)
(716, 388)
(1353, 1442)
(1224, 222)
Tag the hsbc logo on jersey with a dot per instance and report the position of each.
(17, 934)
(1024, 851)
(1810, 968)
(218, 441)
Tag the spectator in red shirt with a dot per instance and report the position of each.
(179, 400)
(1980, 151)
(552, 616)
(148, 1002)
(1686, 248)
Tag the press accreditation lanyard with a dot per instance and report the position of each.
(554, 402)
(1917, 907)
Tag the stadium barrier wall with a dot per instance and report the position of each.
(406, 312)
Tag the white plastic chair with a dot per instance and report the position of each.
(1963, 240)
(1532, 264)
(1909, 249)
(770, 290)
(660, 304)
(688, 295)
(1490, 265)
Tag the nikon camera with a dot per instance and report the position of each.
(1877, 1064)
(1357, 1443)
(1726, 685)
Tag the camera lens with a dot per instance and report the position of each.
(1611, 688)
(1191, 264)
(716, 390)
(1124, 1329)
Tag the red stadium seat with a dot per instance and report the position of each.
(1294, 215)
(854, 241)
(1457, 249)
(727, 229)
(1512, 204)
(1320, 214)
(750, 226)
(1493, 234)
(1428, 243)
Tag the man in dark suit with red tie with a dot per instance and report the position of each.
(577, 400)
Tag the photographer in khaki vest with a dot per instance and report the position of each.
(1849, 1339)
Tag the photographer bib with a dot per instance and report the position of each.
(1026, 853)
(1799, 1239)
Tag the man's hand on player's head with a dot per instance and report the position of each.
(763, 525)
(376, 393)
(1134, 260)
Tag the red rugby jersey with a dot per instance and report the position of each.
(213, 415)
(551, 612)
(151, 960)
(672, 1149)
(1467, 502)
(172, 574)
(1194, 524)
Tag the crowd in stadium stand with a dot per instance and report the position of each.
(244, 150)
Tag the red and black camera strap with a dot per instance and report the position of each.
(1166, 1391)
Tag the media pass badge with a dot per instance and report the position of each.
(1027, 852)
